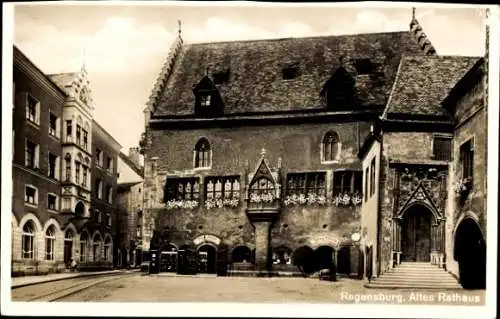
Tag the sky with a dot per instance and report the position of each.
(123, 46)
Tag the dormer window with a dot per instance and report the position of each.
(208, 100)
(205, 99)
(290, 72)
(364, 66)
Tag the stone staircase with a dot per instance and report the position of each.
(415, 275)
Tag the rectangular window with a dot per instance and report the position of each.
(98, 157)
(442, 148)
(52, 201)
(30, 195)
(182, 189)
(85, 139)
(66, 203)
(53, 125)
(32, 109)
(32, 151)
(372, 177)
(109, 164)
(69, 131)
(467, 160)
(139, 231)
(366, 184)
(222, 187)
(347, 182)
(84, 179)
(108, 220)
(109, 194)
(306, 183)
(68, 169)
(52, 165)
(77, 173)
(205, 100)
(78, 134)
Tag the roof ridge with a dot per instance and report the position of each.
(293, 38)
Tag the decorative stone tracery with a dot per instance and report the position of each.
(424, 186)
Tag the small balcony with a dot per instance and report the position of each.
(263, 208)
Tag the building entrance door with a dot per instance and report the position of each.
(207, 258)
(416, 235)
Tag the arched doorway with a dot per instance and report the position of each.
(241, 254)
(68, 247)
(323, 257)
(303, 258)
(344, 260)
(282, 256)
(207, 259)
(470, 253)
(79, 210)
(416, 234)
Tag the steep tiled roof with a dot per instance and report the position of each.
(423, 82)
(125, 186)
(255, 79)
(139, 170)
(63, 79)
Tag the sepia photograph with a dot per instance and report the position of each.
(173, 158)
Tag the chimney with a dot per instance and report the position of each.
(133, 155)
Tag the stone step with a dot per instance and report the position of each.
(418, 265)
(417, 273)
(408, 280)
(438, 279)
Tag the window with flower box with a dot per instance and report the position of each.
(305, 188)
(222, 191)
(182, 189)
(306, 183)
(347, 182)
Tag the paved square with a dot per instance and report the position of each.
(165, 288)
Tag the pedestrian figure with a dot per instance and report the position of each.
(73, 265)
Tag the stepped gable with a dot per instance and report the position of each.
(423, 82)
(255, 82)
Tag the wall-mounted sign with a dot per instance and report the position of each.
(206, 238)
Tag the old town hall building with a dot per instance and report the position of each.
(284, 155)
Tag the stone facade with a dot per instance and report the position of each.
(412, 174)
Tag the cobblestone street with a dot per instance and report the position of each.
(164, 288)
